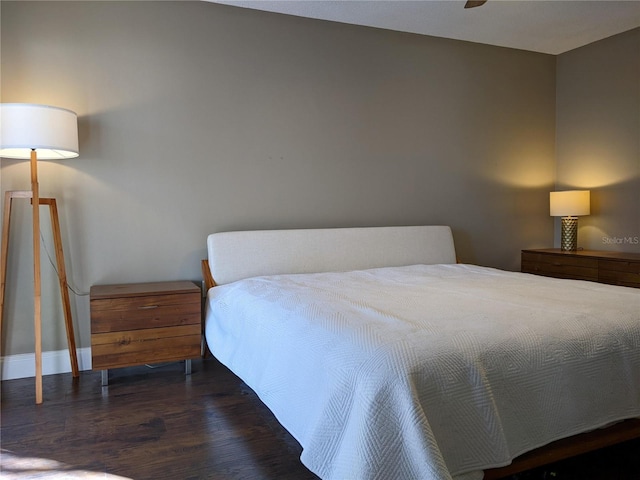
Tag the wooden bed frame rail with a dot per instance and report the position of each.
(209, 282)
(569, 447)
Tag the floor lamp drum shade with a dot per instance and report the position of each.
(52, 131)
(569, 205)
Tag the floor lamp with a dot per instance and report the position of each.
(38, 132)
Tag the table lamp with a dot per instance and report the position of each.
(569, 205)
(36, 132)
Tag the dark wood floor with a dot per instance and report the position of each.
(158, 424)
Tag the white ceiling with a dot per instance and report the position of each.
(546, 26)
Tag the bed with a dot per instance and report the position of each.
(385, 358)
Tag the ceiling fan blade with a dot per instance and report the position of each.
(471, 4)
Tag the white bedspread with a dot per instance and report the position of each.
(429, 372)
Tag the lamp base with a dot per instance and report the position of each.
(569, 235)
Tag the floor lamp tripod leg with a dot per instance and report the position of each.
(37, 313)
(62, 278)
(8, 198)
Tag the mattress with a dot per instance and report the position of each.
(429, 371)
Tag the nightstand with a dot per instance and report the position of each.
(614, 268)
(141, 323)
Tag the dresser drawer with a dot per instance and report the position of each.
(619, 272)
(560, 266)
(615, 268)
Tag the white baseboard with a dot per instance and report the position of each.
(24, 365)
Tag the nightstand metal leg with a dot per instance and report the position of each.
(105, 377)
(187, 367)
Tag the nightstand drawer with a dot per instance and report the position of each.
(129, 313)
(153, 345)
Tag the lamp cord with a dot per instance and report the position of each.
(55, 267)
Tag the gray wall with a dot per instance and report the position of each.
(598, 138)
(197, 117)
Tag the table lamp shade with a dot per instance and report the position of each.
(51, 131)
(571, 203)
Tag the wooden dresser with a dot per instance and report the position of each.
(615, 268)
(140, 323)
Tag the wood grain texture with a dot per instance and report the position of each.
(134, 324)
(209, 282)
(559, 266)
(619, 272)
(569, 448)
(62, 281)
(151, 345)
(154, 424)
(142, 289)
(614, 268)
(151, 424)
(144, 312)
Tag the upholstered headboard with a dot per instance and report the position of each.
(238, 255)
